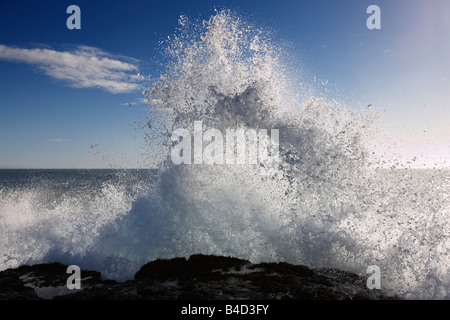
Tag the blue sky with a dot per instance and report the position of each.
(64, 93)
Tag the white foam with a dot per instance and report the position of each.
(327, 207)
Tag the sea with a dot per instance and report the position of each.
(331, 202)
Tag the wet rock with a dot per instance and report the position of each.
(181, 268)
(201, 277)
(12, 288)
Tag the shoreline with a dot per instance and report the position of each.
(201, 277)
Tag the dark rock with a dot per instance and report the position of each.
(201, 277)
(200, 263)
(180, 267)
(162, 268)
(12, 288)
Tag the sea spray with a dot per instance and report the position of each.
(330, 204)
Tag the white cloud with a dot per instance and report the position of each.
(82, 67)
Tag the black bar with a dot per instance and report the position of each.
(157, 309)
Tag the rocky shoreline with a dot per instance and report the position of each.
(201, 277)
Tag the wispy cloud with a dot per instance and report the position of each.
(58, 140)
(135, 102)
(128, 104)
(82, 67)
(389, 52)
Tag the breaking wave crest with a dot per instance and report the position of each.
(329, 205)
